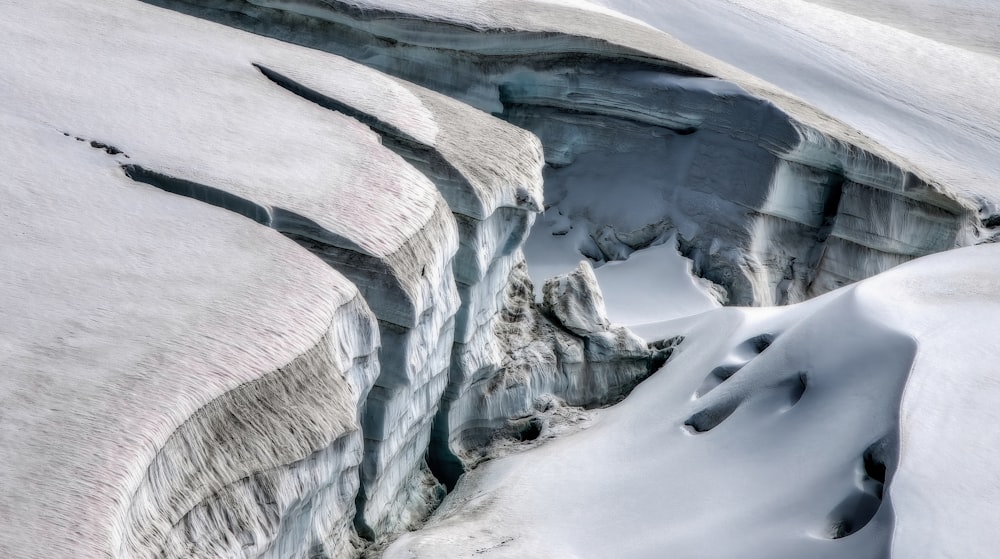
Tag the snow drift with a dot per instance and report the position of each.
(783, 432)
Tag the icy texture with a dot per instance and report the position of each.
(971, 24)
(916, 94)
(168, 391)
(242, 142)
(750, 178)
(539, 360)
(490, 174)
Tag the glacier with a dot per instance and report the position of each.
(613, 92)
(852, 398)
(153, 410)
(281, 279)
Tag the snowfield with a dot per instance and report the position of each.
(333, 279)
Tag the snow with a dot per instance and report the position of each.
(970, 24)
(624, 111)
(653, 285)
(769, 433)
(926, 100)
(137, 354)
(196, 117)
(186, 382)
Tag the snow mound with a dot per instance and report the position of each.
(785, 432)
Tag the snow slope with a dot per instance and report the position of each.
(926, 100)
(155, 351)
(783, 432)
(970, 24)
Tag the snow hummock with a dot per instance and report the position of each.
(783, 432)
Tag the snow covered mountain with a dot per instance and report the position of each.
(267, 283)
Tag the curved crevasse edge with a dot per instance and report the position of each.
(265, 431)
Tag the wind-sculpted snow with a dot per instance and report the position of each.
(709, 144)
(917, 94)
(767, 434)
(179, 382)
(971, 24)
(852, 425)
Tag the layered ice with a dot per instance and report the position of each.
(179, 382)
(543, 363)
(186, 383)
(910, 75)
(241, 142)
(646, 137)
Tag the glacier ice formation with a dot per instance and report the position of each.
(170, 391)
(261, 298)
(760, 187)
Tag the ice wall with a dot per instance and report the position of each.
(237, 140)
(399, 254)
(761, 188)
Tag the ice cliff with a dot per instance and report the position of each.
(179, 382)
(263, 299)
(419, 202)
(773, 200)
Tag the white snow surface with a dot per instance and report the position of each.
(138, 323)
(970, 24)
(653, 285)
(929, 101)
(764, 434)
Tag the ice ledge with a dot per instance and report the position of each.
(588, 83)
(157, 344)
